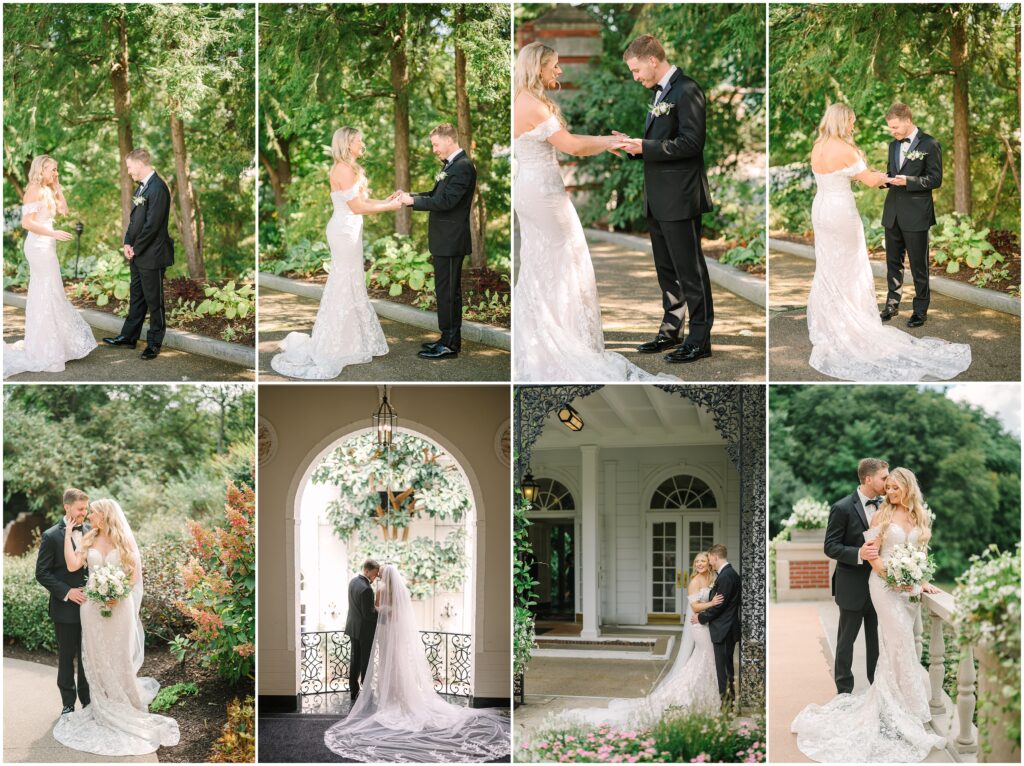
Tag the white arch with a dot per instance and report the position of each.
(475, 523)
(707, 475)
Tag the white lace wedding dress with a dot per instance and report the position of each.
(691, 684)
(346, 330)
(398, 716)
(117, 720)
(558, 334)
(848, 338)
(886, 724)
(55, 333)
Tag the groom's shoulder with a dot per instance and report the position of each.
(51, 532)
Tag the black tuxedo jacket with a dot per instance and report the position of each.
(675, 180)
(449, 202)
(847, 522)
(361, 622)
(911, 206)
(723, 621)
(52, 573)
(147, 227)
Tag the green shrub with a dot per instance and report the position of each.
(26, 617)
(709, 738)
(397, 264)
(109, 278)
(955, 243)
(237, 742)
(305, 258)
(228, 300)
(752, 253)
(169, 696)
(792, 193)
(163, 586)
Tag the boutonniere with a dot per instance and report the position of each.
(916, 155)
(138, 200)
(440, 177)
(661, 108)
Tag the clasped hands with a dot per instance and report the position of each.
(896, 180)
(402, 198)
(622, 142)
(869, 552)
(129, 252)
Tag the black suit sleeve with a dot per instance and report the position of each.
(366, 606)
(728, 587)
(158, 205)
(835, 548)
(690, 128)
(446, 196)
(45, 563)
(931, 178)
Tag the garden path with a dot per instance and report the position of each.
(31, 707)
(994, 336)
(122, 365)
(281, 313)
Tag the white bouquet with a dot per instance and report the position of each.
(909, 565)
(107, 583)
(808, 514)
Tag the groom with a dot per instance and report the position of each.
(150, 251)
(723, 621)
(915, 166)
(361, 624)
(844, 542)
(676, 194)
(66, 597)
(448, 235)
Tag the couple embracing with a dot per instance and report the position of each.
(346, 330)
(558, 333)
(396, 715)
(889, 722)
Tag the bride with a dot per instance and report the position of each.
(398, 716)
(888, 722)
(346, 330)
(117, 720)
(848, 338)
(558, 334)
(55, 332)
(691, 684)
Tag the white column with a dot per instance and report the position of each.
(591, 547)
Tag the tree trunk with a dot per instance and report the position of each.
(478, 258)
(400, 87)
(190, 223)
(279, 169)
(959, 57)
(123, 113)
(13, 181)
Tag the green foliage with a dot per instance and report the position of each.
(26, 616)
(492, 306)
(229, 300)
(303, 259)
(968, 466)
(750, 254)
(237, 741)
(955, 243)
(523, 584)
(396, 264)
(220, 590)
(110, 277)
(792, 192)
(427, 565)
(169, 696)
(710, 738)
(163, 588)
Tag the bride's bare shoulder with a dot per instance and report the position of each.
(32, 193)
(532, 108)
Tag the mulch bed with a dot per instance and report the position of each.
(200, 717)
(1007, 247)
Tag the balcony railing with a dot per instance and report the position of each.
(326, 655)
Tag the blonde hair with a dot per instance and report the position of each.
(530, 61)
(914, 503)
(837, 122)
(709, 573)
(341, 151)
(72, 495)
(139, 155)
(35, 176)
(645, 46)
(447, 130)
(118, 535)
(899, 111)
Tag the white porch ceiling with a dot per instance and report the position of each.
(627, 415)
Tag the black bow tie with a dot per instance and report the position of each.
(875, 501)
(79, 528)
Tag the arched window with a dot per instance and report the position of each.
(552, 495)
(683, 493)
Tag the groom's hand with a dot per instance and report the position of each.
(869, 551)
(406, 199)
(129, 252)
(77, 595)
(898, 181)
(633, 145)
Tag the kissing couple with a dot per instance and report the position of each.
(558, 333)
(99, 628)
(396, 716)
(346, 330)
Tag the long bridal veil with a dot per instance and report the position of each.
(398, 715)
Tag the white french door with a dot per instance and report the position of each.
(672, 542)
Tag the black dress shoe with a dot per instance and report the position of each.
(120, 340)
(660, 343)
(430, 346)
(916, 320)
(889, 312)
(689, 352)
(151, 352)
(440, 351)
(67, 709)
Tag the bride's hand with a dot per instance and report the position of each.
(927, 587)
(110, 603)
(718, 599)
(62, 236)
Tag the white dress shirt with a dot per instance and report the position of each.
(905, 145)
(453, 155)
(663, 82)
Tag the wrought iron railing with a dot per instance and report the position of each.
(326, 655)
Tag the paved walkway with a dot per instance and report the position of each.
(994, 337)
(31, 707)
(120, 365)
(281, 313)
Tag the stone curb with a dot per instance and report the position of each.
(180, 340)
(476, 332)
(729, 277)
(978, 296)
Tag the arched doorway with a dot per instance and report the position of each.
(553, 537)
